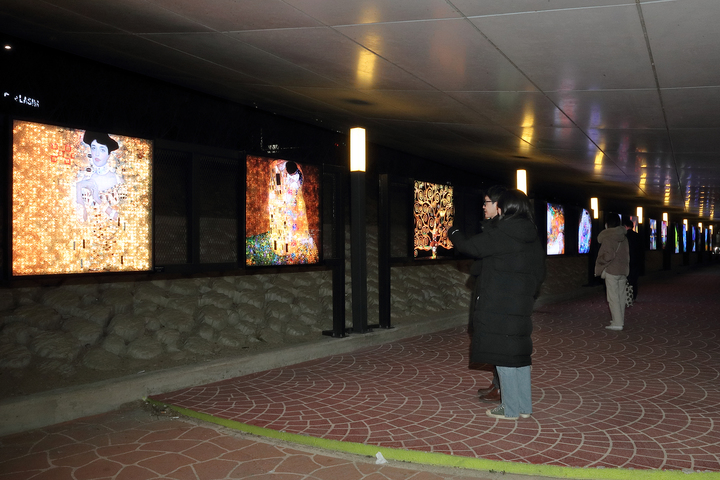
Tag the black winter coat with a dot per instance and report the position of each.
(513, 269)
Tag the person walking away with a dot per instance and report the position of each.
(512, 271)
(636, 252)
(613, 265)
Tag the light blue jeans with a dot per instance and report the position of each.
(516, 391)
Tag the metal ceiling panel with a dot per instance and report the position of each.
(576, 49)
(447, 54)
(692, 107)
(332, 55)
(332, 12)
(501, 7)
(234, 15)
(251, 63)
(684, 42)
(130, 16)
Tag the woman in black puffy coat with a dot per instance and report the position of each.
(513, 270)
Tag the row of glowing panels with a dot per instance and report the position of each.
(556, 233)
(81, 202)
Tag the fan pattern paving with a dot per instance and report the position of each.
(644, 398)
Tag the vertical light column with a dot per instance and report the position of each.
(594, 207)
(522, 181)
(358, 255)
(640, 215)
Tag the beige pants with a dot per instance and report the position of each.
(615, 286)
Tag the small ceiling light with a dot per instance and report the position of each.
(7, 47)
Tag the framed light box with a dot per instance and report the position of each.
(282, 212)
(653, 233)
(584, 232)
(433, 213)
(555, 229)
(81, 201)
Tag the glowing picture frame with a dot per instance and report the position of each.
(433, 213)
(555, 229)
(81, 201)
(584, 232)
(282, 212)
(653, 233)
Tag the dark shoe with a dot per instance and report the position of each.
(499, 412)
(485, 391)
(493, 396)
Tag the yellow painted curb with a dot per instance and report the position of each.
(445, 460)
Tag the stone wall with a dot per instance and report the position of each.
(77, 333)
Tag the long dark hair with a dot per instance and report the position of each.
(515, 204)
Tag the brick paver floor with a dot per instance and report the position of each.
(646, 397)
(643, 398)
(136, 443)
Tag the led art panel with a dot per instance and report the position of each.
(684, 238)
(80, 201)
(694, 238)
(584, 232)
(664, 233)
(433, 212)
(555, 229)
(653, 233)
(282, 213)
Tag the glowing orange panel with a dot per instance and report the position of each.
(81, 201)
(433, 211)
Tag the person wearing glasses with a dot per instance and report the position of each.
(491, 393)
(512, 272)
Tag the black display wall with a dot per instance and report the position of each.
(48, 86)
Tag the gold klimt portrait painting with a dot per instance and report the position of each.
(81, 201)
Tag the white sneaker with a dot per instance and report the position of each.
(525, 415)
(614, 327)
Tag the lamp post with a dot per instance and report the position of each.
(358, 255)
(594, 207)
(522, 181)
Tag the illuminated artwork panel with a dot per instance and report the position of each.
(694, 238)
(653, 234)
(684, 238)
(81, 201)
(584, 232)
(433, 212)
(555, 229)
(664, 233)
(282, 213)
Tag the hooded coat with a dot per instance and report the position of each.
(614, 253)
(513, 269)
